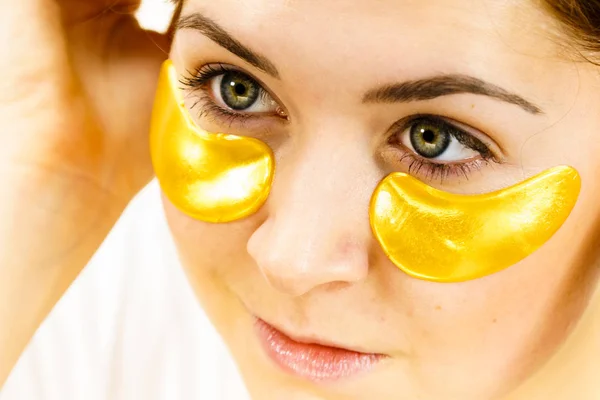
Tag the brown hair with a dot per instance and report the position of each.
(579, 18)
(176, 15)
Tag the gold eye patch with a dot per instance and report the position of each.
(427, 233)
(445, 237)
(213, 177)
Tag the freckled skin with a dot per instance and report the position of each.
(307, 259)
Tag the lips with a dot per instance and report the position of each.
(313, 361)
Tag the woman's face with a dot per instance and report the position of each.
(297, 74)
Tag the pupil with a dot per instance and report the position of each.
(239, 89)
(429, 136)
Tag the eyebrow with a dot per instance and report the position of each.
(218, 35)
(445, 85)
(409, 91)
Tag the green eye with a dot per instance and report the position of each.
(429, 139)
(239, 91)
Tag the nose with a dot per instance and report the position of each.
(317, 228)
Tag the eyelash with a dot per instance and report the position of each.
(442, 170)
(198, 81)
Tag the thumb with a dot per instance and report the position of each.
(125, 95)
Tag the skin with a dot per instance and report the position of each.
(62, 139)
(307, 261)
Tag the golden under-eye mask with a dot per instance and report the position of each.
(213, 177)
(445, 237)
(427, 233)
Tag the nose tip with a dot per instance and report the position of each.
(294, 263)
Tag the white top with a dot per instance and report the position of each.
(129, 328)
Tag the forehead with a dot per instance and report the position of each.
(394, 25)
(509, 42)
(419, 33)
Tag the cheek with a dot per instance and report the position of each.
(498, 330)
(209, 252)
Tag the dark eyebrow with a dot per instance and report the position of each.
(444, 85)
(218, 35)
(416, 90)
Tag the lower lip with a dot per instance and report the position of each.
(313, 361)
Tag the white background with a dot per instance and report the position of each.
(155, 14)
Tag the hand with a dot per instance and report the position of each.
(77, 80)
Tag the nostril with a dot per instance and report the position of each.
(337, 286)
(290, 284)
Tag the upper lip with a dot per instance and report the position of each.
(314, 339)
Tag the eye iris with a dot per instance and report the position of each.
(239, 91)
(429, 139)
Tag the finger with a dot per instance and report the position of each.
(78, 11)
(31, 46)
(136, 57)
